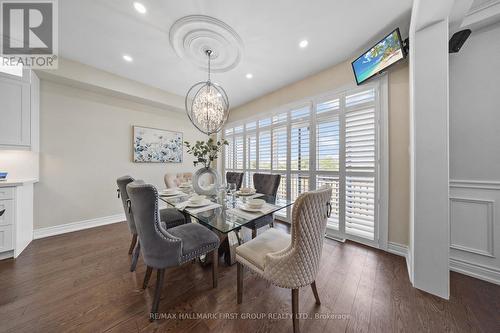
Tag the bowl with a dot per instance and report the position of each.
(255, 203)
(197, 199)
(247, 190)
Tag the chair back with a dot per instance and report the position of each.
(159, 248)
(185, 177)
(170, 180)
(122, 183)
(235, 177)
(297, 265)
(173, 180)
(266, 183)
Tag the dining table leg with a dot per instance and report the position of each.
(228, 243)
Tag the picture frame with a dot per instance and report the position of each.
(156, 145)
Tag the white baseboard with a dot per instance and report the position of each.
(335, 238)
(75, 226)
(398, 249)
(6, 255)
(401, 250)
(489, 274)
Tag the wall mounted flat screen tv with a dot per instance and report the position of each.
(378, 58)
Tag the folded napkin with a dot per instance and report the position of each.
(197, 210)
(266, 209)
(182, 205)
(166, 197)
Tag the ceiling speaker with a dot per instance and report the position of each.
(457, 40)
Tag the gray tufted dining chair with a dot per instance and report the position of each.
(290, 261)
(265, 184)
(170, 217)
(235, 177)
(162, 248)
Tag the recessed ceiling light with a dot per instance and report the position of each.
(249, 76)
(140, 7)
(303, 43)
(127, 58)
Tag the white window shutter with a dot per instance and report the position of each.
(360, 168)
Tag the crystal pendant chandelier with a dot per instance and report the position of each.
(207, 105)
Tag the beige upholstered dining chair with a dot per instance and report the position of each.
(290, 261)
(173, 180)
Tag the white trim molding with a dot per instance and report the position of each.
(476, 257)
(490, 220)
(398, 249)
(481, 272)
(7, 255)
(76, 226)
(475, 184)
(482, 15)
(401, 250)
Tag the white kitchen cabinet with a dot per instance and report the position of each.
(19, 111)
(16, 217)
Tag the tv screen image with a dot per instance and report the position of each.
(385, 53)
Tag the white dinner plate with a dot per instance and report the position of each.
(205, 202)
(171, 194)
(245, 194)
(253, 210)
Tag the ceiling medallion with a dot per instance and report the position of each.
(191, 36)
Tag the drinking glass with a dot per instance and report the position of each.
(232, 189)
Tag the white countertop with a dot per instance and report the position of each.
(17, 182)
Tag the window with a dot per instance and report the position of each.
(329, 141)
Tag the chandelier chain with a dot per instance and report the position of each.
(209, 53)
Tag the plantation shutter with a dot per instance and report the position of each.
(229, 150)
(299, 147)
(330, 140)
(280, 143)
(328, 153)
(229, 158)
(251, 151)
(265, 150)
(238, 152)
(360, 164)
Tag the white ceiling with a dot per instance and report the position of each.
(99, 32)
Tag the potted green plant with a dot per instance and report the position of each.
(205, 153)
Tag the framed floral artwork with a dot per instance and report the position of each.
(154, 145)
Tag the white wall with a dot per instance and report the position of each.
(20, 164)
(475, 107)
(475, 155)
(85, 144)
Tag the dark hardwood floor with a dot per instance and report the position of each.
(80, 282)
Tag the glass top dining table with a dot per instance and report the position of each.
(225, 213)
